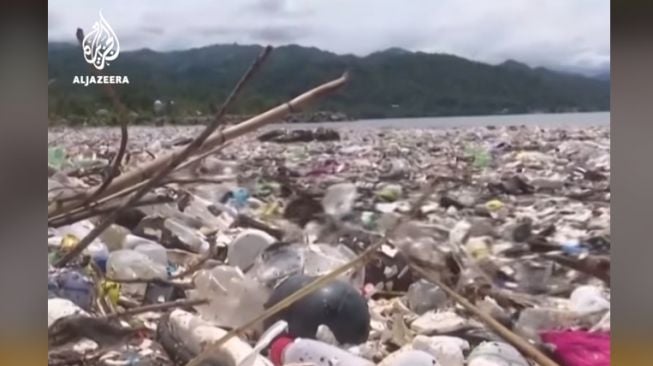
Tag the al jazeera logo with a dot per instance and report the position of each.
(100, 47)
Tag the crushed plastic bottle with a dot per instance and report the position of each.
(339, 199)
(72, 285)
(321, 259)
(59, 308)
(131, 241)
(246, 247)
(286, 351)
(195, 334)
(389, 192)
(127, 264)
(410, 358)
(449, 351)
(186, 235)
(67, 237)
(533, 277)
(277, 262)
(495, 354)
(154, 251)
(533, 321)
(239, 198)
(99, 254)
(423, 296)
(233, 297)
(114, 237)
(588, 299)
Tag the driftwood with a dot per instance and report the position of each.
(360, 260)
(168, 166)
(518, 342)
(145, 171)
(312, 286)
(206, 141)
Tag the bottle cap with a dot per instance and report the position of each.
(277, 348)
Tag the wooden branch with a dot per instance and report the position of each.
(97, 211)
(115, 166)
(318, 282)
(517, 341)
(272, 115)
(165, 169)
(200, 262)
(157, 307)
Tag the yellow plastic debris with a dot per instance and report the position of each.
(110, 290)
(494, 205)
(68, 242)
(478, 248)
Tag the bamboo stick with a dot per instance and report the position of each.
(520, 343)
(275, 114)
(169, 166)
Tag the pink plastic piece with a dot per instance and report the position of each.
(580, 348)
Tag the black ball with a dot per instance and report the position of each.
(337, 305)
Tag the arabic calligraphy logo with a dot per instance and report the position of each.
(101, 44)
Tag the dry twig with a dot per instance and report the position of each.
(359, 260)
(147, 170)
(157, 307)
(170, 165)
(517, 341)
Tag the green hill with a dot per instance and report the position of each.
(391, 83)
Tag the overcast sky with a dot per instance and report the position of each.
(562, 34)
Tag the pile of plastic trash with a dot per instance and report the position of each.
(517, 222)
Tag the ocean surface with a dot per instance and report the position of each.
(542, 120)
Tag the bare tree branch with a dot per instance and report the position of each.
(171, 164)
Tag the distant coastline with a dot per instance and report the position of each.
(297, 118)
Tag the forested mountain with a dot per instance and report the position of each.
(389, 83)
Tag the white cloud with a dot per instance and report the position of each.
(571, 34)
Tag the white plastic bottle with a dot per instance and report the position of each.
(126, 264)
(410, 357)
(285, 351)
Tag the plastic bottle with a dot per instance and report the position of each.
(72, 285)
(286, 351)
(588, 299)
(187, 236)
(277, 262)
(114, 237)
(244, 249)
(448, 350)
(321, 259)
(59, 308)
(534, 277)
(239, 198)
(154, 251)
(423, 296)
(69, 236)
(533, 321)
(495, 354)
(129, 264)
(234, 297)
(339, 199)
(410, 358)
(195, 335)
(99, 254)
